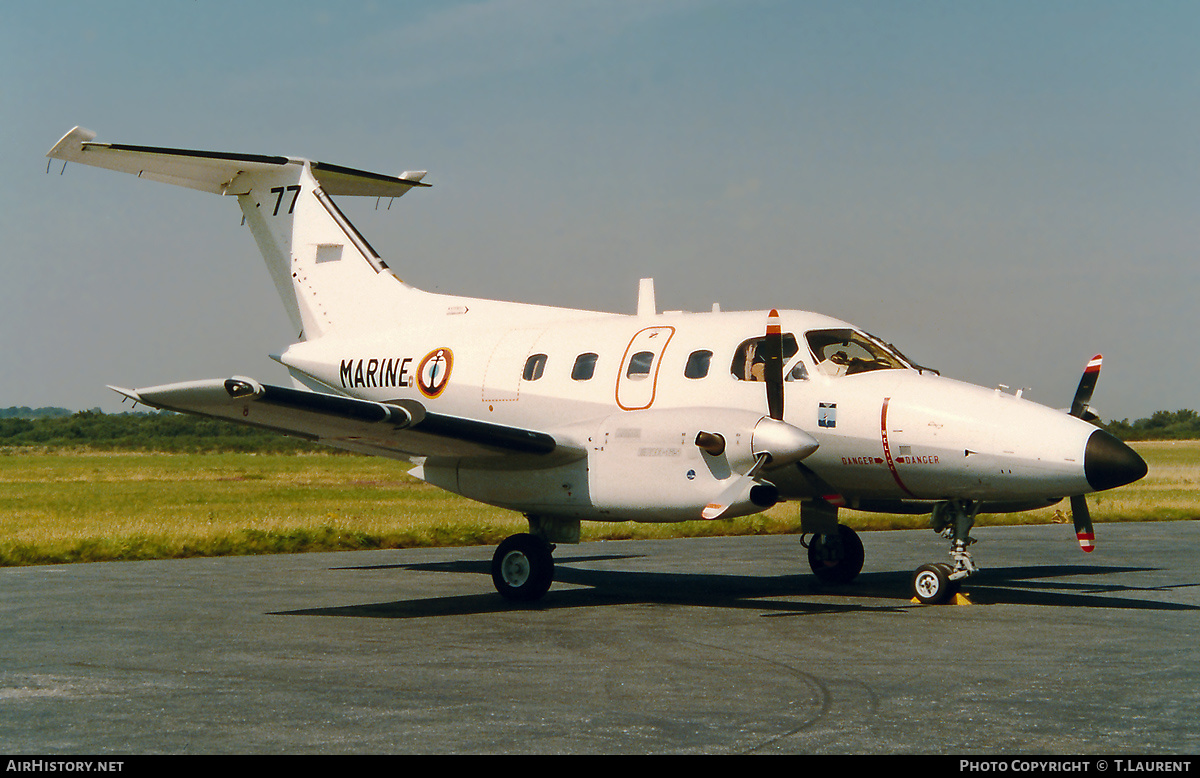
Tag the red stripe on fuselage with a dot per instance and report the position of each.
(887, 452)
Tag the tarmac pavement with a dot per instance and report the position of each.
(699, 646)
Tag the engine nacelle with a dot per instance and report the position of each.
(667, 465)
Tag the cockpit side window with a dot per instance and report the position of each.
(798, 371)
(748, 363)
(847, 352)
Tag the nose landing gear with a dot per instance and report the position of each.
(937, 583)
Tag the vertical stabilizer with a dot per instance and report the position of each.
(327, 275)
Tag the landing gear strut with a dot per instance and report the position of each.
(937, 583)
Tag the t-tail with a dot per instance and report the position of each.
(327, 275)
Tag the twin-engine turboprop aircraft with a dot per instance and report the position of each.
(568, 415)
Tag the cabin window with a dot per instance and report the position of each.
(749, 365)
(585, 367)
(534, 367)
(697, 364)
(640, 364)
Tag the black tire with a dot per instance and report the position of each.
(955, 586)
(931, 584)
(523, 568)
(837, 571)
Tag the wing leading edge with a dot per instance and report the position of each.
(401, 429)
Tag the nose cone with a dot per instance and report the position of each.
(1109, 463)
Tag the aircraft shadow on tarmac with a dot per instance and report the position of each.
(789, 595)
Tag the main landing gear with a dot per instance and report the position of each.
(835, 552)
(836, 557)
(937, 583)
(523, 565)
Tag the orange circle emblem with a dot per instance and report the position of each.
(434, 372)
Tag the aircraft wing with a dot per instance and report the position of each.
(401, 429)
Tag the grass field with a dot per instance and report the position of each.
(88, 506)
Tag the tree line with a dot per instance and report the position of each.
(1162, 425)
(174, 432)
(154, 431)
(25, 412)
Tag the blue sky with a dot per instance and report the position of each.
(1002, 189)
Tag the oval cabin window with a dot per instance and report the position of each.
(585, 367)
(534, 367)
(697, 364)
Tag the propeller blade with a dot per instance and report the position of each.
(1087, 384)
(772, 354)
(1079, 409)
(717, 508)
(1083, 523)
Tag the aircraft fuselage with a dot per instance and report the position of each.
(886, 435)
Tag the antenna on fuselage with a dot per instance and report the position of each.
(646, 304)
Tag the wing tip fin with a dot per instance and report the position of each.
(71, 144)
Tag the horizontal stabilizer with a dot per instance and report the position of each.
(218, 172)
(401, 429)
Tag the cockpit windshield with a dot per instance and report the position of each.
(846, 352)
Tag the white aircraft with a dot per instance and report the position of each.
(568, 415)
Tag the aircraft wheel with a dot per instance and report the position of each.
(837, 571)
(523, 568)
(932, 585)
